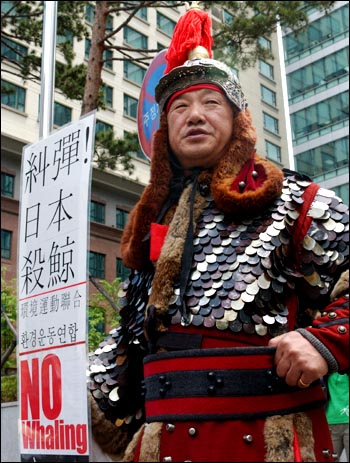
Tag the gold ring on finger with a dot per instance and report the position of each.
(301, 384)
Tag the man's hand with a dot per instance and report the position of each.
(296, 360)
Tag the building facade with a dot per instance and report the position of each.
(114, 192)
(317, 68)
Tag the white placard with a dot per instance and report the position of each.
(52, 294)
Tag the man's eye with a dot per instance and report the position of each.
(179, 106)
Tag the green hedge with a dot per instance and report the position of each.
(9, 388)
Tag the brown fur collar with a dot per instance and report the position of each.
(238, 164)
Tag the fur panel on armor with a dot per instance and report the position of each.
(279, 437)
(169, 263)
(150, 435)
(341, 287)
(129, 454)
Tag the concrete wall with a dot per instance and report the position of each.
(9, 432)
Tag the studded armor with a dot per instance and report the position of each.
(242, 281)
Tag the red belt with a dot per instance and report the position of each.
(218, 384)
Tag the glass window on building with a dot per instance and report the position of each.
(122, 272)
(12, 95)
(134, 38)
(6, 6)
(6, 238)
(343, 192)
(130, 106)
(273, 152)
(134, 72)
(7, 184)
(266, 69)
(108, 60)
(90, 16)
(330, 157)
(107, 95)
(109, 23)
(13, 51)
(327, 28)
(97, 264)
(67, 37)
(61, 114)
(321, 116)
(142, 13)
(102, 127)
(165, 24)
(89, 13)
(97, 212)
(139, 153)
(319, 74)
(270, 123)
(121, 218)
(227, 17)
(268, 96)
(265, 43)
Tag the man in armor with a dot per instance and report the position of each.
(218, 356)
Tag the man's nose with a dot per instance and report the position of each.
(196, 113)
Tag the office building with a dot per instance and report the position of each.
(317, 68)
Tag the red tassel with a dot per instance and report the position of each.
(296, 447)
(193, 29)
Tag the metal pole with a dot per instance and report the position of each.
(47, 68)
(285, 97)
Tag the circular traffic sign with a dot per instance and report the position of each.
(147, 109)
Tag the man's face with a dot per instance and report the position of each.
(200, 125)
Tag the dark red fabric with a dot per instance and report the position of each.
(332, 331)
(245, 175)
(216, 441)
(241, 362)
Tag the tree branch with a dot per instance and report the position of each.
(103, 292)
